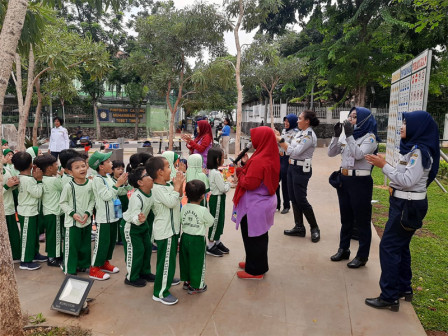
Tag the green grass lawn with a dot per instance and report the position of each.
(429, 249)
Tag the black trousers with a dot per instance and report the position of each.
(298, 186)
(256, 250)
(355, 207)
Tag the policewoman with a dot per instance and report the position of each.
(288, 134)
(355, 193)
(408, 204)
(300, 153)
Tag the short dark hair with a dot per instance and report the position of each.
(136, 160)
(67, 154)
(73, 160)
(214, 157)
(194, 190)
(154, 164)
(60, 120)
(44, 161)
(117, 164)
(228, 121)
(136, 175)
(22, 161)
(311, 116)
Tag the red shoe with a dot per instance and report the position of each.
(108, 268)
(242, 264)
(97, 274)
(244, 275)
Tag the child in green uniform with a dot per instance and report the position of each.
(217, 203)
(7, 164)
(64, 156)
(52, 188)
(30, 191)
(117, 171)
(195, 220)
(9, 184)
(166, 207)
(194, 172)
(77, 203)
(107, 215)
(136, 230)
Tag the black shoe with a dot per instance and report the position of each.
(340, 255)
(315, 235)
(29, 266)
(357, 262)
(407, 296)
(284, 211)
(222, 248)
(299, 231)
(186, 285)
(214, 251)
(175, 282)
(137, 283)
(82, 270)
(119, 243)
(148, 277)
(53, 262)
(40, 258)
(379, 303)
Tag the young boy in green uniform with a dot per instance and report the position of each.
(30, 192)
(195, 220)
(166, 207)
(52, 188)
(77, 202)
(117, 171)
(9, 184)
(64, 156)
(106, 216)
(136, 230)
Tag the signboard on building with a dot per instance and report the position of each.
(408, 92)
(120, 115)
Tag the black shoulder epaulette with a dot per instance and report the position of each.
(310, 133)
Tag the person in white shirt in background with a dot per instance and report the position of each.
(59, 138)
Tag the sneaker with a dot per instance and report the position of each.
(222, 248)
(284, 211)
(53, 262)
(108, 268)
(40, 258)
(42, 237)
(244, 275)
(154, 248)
(193, 291)
(186, 285)
(148, 277)
(242, 264)
(97, 274)
(29, 266)
(214, 251)
(169, 300)
(175, 282)
(136, 283)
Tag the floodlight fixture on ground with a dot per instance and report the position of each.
(72, 295)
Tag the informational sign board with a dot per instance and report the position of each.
(122, 115)
(408, 92)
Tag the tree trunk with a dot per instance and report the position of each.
(37, 114)
(271, 112)
(239, 87)
(9, 38)
(360, 96)
(97, 119)
(23, 115)
(136, 122)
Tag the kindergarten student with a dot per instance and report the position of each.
(166, 207)
(64, 156)
(30, 191)
(137, 231)
(107, 215)
(195, 220)
(77, 201)
(34, 151)
(52, 188)
(194, 172)
(217, 203)
(9, 184)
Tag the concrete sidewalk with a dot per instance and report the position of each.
(304, 293)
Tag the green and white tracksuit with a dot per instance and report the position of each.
(52, 188)
(10, 214)
(166, 228)
(77, 199)
(137, 236)
(14, 172)
(65, 178)
(30, 192)
(195, 220)
(217, 203)
(123, 196)
(107, 223)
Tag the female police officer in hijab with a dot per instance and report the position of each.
(355, 194)
(417, 168)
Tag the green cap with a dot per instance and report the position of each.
(6, 151)
(4, 142)
(97, 158)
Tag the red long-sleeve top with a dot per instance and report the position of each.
(200, 147)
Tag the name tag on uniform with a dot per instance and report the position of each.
(403, 163)
(351, 161)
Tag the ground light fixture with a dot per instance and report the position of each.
(72, 295)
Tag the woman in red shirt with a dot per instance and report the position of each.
(202, 143)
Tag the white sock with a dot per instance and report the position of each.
(210, 244)
(217, 242)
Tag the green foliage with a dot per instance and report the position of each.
(37, 319)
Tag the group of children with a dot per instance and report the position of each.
(62, 199)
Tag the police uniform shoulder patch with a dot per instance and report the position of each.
(310, 133)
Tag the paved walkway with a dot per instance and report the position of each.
(304, 293)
